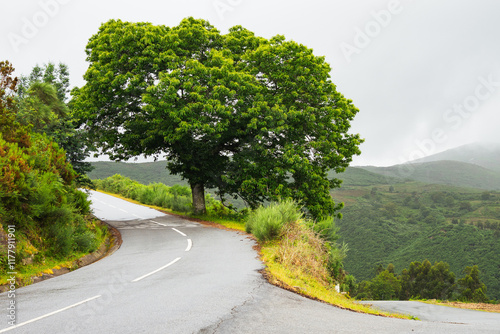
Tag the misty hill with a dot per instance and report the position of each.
(486, 155)
(151, 172)
(360, 176)
(443, 172)
(145, 172)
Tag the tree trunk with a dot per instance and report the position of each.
(198, 192)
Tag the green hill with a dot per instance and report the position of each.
(359, 176)
(145, 172)
(411, 221)
(443, 172)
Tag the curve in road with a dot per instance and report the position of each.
(176, 276)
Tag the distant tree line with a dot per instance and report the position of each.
(422, 281)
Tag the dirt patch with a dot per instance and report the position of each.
(472, 306)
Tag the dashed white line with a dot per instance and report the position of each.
(133, 214)
(190, 244)
(176, 230)
(48, 314)
(158, 223)
(157, 270)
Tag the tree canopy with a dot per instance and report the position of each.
(41, 102)
(252, 117)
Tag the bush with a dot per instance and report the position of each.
(266, 223)
(85, 242)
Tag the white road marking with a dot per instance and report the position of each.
(122, 210)
(114, 207)
(176, 230)
(48, 314)
(133, 214)
(158, 223)
(157, 270)
(190, 244)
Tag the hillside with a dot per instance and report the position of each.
(360, 176)
(443, 172)
(145, 173)
(412, 221)
(486, 155)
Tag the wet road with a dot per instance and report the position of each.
(175, 276)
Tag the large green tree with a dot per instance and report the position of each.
(252, 117)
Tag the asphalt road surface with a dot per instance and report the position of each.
(175, 276)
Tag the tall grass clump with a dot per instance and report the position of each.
(302, 246)
(300, 254)
(266, 223)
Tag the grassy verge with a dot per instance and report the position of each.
(291, 277)
(46, 265)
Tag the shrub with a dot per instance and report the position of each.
(266, 223)
(85, 242)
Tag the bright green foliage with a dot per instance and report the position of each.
(470, 286)
(296, 242)
(254, 118)
(57, 76)
(41, 102)
(177, 198)
(37, 191)
(266, 223)
(385, 286)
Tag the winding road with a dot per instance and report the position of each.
(175, 276)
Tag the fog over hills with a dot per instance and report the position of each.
(474, 165)
(486, 155)
(455, 173)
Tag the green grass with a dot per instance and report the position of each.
(46, 265)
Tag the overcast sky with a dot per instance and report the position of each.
(424, 74)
